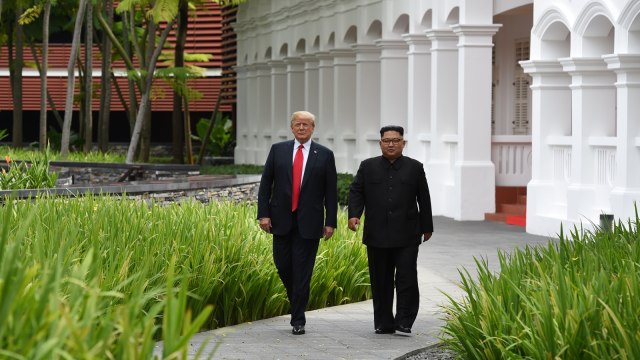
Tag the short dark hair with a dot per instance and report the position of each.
(397, 128)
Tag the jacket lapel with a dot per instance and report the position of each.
(289, 159)
(313, 156)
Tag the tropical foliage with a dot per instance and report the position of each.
(99, 277)
(574, 299)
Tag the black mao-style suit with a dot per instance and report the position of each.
(397, 207)
(296, 235)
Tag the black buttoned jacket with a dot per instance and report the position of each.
(395, 200)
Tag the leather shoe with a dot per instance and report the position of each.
(297, 330)
(403, 330)
(384, 331)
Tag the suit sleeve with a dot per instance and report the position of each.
(331, 193)
(424, 202)
(356, 194)
(266, 187)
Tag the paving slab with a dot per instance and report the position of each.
(346, 331)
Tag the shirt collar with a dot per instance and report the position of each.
(306, 145)
(396, 164)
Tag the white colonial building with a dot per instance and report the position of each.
(540, 94)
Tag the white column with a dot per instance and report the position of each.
(344, 116)
(280, 128)
(551, 149)
(311, 98)
(419, 97)
(242, 122)
(367, 93)
(252, 114)
(324, 119)
(444, 120)
(264, 108)
(295, 84)
(593, 119)
(474, 170)
(626, 189)
(393, 82)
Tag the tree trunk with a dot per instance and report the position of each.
(145, 101)
(105, 82)
(133, 100)
(177, 125)
(17, 80)
(68, 110)
(88, 79)
(43, 76)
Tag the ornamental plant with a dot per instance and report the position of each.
(28, 175)
(573, 299)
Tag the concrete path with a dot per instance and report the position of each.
(346, 331)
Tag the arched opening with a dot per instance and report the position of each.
(351, 36)
(402, 25)
(375, 31)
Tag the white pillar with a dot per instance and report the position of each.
(550, 134)
(367, 93)
(242, 122)
(311, 98)
(593, 118)
(264, 108)
(344, 116)
(626, 189)
(252, 114)
(393, 82)
(474, 170)
(419, 97)
(444, 120)
(279, 113)
(324, 119)
(295, 84)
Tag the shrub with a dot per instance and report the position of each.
(574, 299)
(28, 175)
(99, 277)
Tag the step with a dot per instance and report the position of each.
(499, 217)
(513, 209)
(517, 220)
(522, 199)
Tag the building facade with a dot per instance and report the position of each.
(492, 93)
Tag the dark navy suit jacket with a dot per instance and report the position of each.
(318, 202)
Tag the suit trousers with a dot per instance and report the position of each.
(295, 258)
(389, 267)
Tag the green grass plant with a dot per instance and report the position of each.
(93, 156)
(100, 277)
(573, 299)
(34, 174)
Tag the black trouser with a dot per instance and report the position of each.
(389, 267)
(294, 258)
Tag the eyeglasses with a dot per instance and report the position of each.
(395, 141)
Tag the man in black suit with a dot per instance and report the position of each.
(295, 214)
(392, 190)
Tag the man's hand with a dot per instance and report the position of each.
(353, 223)
(328, 232)
(427, 236)
(265, 224)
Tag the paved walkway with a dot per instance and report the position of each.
(346, 331)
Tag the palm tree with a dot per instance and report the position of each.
(105, 83)
(71, 79)
(43, 75)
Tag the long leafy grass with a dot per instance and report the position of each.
(574, 299)
(102, 277)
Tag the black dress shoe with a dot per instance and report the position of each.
(297, 330)
(384, 331)
(403, 330)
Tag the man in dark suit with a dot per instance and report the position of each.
(392, 191)
(298, 185)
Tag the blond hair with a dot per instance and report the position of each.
(305, 115)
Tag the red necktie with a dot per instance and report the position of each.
(297, 177)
